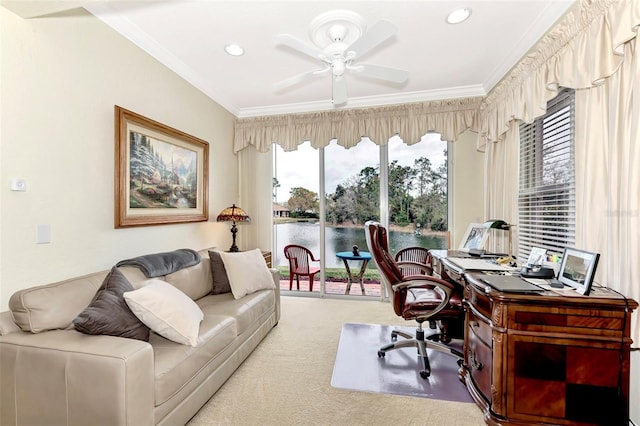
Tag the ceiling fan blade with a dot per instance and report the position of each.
(298, 78)
(380, 31)
(339, 90)
(382, 73)
(299, 45)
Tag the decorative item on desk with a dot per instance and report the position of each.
(475, 238)
(233, 214)
(355, 251)
(501, 224)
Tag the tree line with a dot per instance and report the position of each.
(417, 194)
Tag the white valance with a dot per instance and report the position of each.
(583, 49)
(450, 118)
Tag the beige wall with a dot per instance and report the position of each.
(467, 185)
(59, 80)
(634, 392)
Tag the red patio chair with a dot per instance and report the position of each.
(299, 264)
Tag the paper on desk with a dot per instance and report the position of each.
(470, 264)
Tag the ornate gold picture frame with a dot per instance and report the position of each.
(161, 174)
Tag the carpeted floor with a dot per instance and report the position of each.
(287, 379)
(357, 366)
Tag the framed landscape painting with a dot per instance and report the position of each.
(161, 174)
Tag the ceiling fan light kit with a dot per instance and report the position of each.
(339, 38)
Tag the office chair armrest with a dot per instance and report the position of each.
(428, 270)
(426, 281)
(431, 283)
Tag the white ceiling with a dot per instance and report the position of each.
(444, 61)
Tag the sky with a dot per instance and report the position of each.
(300, 168)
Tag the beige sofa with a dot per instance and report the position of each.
(52, 374)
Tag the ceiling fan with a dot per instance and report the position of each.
(339, 39)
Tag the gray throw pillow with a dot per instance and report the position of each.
(220, 278)
(109, 314)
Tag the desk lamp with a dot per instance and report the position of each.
(233, 214)
(500, 224)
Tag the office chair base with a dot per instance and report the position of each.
(421, 344)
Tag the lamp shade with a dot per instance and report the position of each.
(233, 214)
(497, 224)
(502, 225)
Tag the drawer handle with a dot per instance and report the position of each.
(475, 364)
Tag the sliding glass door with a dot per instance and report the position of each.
(322, 198)
(352, 187)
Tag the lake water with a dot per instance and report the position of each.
(342, 239)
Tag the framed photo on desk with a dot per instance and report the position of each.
(475, 237)
(577, 269)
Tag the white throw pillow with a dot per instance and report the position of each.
(167, 311)
(247, 272)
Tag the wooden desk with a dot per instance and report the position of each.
(547, 358)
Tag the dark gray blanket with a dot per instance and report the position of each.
(159, 264)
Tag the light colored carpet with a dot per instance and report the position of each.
(287, 379)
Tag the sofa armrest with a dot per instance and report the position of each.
(62, 377)
(276, 281)
(7, 325)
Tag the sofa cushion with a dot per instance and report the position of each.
(167, 311)
(246, 311)
(109, 314)
(175, 365)
(247, 272)
(219, 274)
(194, 281)
(53, 306)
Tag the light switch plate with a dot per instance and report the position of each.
(18, 184)
(43, 234)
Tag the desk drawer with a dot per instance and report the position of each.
(479, 327)
(573, 321)
(480, 364)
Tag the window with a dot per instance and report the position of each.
(546, 196)
(409, 196)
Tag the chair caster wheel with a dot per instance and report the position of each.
(425, 374)
(380, 354)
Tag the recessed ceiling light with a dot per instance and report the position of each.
(459, 15)
(234, 50)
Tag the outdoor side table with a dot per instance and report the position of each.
(346, 256)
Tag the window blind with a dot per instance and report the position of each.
(546, 191)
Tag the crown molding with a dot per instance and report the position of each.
(367, 101)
